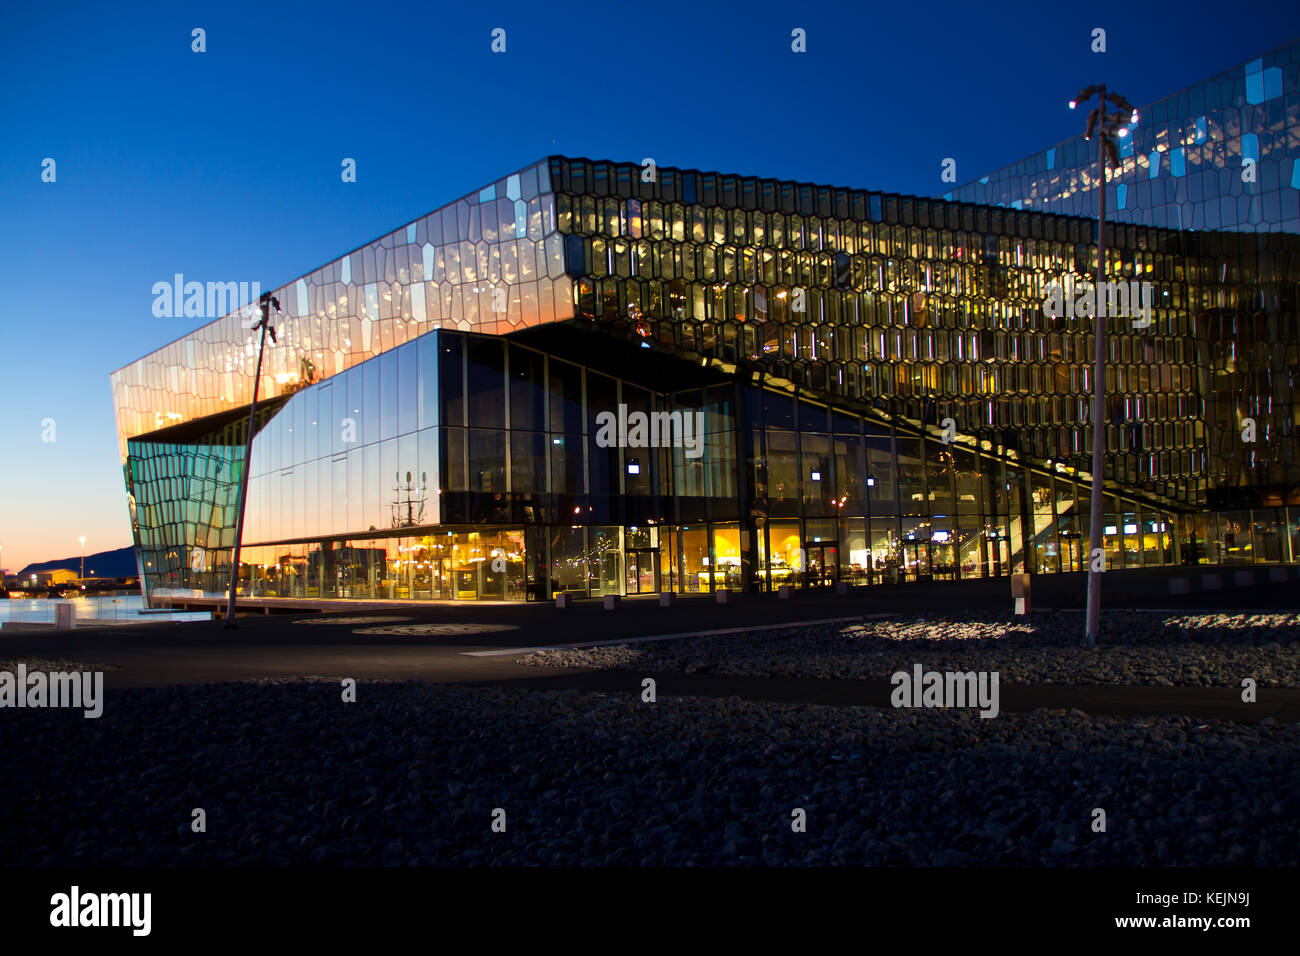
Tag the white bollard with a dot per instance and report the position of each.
(1020, 589)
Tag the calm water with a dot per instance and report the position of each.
(100, 609)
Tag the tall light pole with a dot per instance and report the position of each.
(1111, 125)
(83, 557)
(267, 303)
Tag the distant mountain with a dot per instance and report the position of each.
(102, 564)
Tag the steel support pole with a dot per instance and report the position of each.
(1092, 627)
(248, 458)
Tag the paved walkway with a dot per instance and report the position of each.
(482, 643)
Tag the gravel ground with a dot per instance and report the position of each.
(410, 774)
(1137, 648)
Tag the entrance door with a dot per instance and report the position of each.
(642, 569)
(446, 590)
(1071, 551)
(916, 560)
(997, 553)
(346, 573)
(944, 555)
(823, 565)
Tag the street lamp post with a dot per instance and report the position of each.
(267, 303)
(1111, 125)
(83, 557)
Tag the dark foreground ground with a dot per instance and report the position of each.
(749, 734)
(412, 773)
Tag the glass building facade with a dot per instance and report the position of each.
(881, 398)
(1223, 154)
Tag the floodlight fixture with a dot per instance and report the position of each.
(1082, 95)
(1092, 125)
(1112, 154)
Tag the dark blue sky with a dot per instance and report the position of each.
(225, 165)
